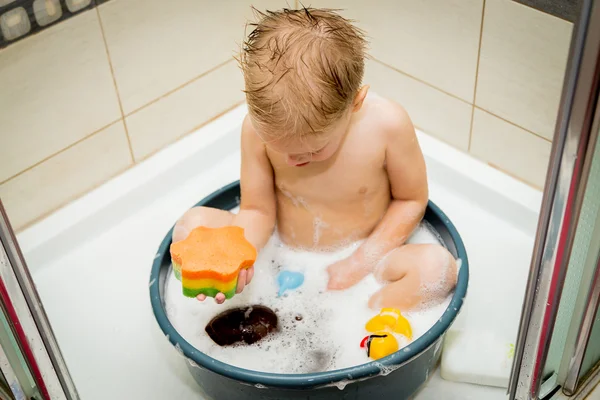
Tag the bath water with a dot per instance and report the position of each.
(319, 330)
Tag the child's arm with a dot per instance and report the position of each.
(258, 207)
(408, 181)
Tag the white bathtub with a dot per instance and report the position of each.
(91, 260)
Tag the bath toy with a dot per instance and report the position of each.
(209, 260)
(245, 324)
(289, 280)
(390, 319)
(379, 345)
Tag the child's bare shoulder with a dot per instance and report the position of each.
(250, 140)
(388, 119)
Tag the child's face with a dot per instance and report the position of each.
(305, 149)
(311, 148)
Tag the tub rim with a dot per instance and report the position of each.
(298, 381)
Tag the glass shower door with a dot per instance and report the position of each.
(558, 346)
(31, 365)
(17, 380)
(581, 354)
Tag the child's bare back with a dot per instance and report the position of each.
(328, 165)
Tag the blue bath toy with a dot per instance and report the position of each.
(289, 280)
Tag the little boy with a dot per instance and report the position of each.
(327, 165)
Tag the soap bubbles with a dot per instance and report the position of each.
(319, 330)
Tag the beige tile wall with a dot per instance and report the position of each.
(482, 75)
(90, 97)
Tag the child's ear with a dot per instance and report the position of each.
(360, 98)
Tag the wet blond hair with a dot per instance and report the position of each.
(302, 70)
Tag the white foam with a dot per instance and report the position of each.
(424, 233)
(328, 335)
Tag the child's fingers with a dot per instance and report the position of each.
(249, 275)
(180, 232)
(241, 281)
(340, 279)
(338, 283)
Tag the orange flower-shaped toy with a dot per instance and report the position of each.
(209, 260)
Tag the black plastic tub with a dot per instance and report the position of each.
(397, 376)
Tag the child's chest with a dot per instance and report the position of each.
(354, 174)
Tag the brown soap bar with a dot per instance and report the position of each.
(245, 324)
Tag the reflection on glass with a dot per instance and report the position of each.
(16, 375)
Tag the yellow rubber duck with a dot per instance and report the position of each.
(379, 345)
(390, 319)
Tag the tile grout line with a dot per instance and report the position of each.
(97, 185)
(171, 91)
(513, 124)
(192, 130)
(476, 76)
(420, 81)
(458, 98)
(114, 122)
(483, 160)
(501, 169)
(75, 143)
(78, 196)
(71, 199)
(512, 175)
(440, 138)
(471, 128)
(487, 162)
(114, 79)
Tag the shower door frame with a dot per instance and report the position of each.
(29, 324)
(572, 149)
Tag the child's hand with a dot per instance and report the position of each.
(244, 278)
(346, 273)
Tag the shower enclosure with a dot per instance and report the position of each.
(31, 365)
(557, 355)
